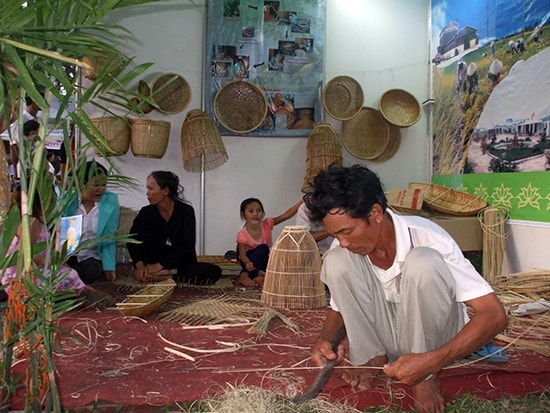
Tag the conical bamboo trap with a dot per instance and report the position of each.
(292, 278)
(323, 149)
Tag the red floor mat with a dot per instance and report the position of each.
(123, 361)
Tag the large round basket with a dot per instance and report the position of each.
(400, 108)
(323, 149)
(202, 147)
(115, 132)
(343, 97)
(393, 144)
(171, 93)
(292, 278)
(147, 300)
(240, 106)
(448, 200)
(367, 135)
(149, 138)
(96, 64)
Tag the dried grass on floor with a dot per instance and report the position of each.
(127, 284)
(531, 332)
(248, 399)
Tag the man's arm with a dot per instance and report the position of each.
(322, 349)
(488, 320)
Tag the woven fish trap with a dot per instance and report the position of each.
(367, 135)
(149, 138)
(240, 106)
(400, 108)
(115, 132)
(202, 147)
(322, 150)
(148, 299)
(171, 93)
(448, 200)
(393, 144)
(343, 97)
(292, 278)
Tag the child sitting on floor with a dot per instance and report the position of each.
(254, 240)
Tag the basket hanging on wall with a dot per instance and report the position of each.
(292, 277)
(323, 149)
(171, 93)
(115, 132)
(366, 135)
(343, 97)
(149, 138)
(400, 108)
(202, 147)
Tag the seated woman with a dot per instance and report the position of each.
(166, 230)
(100, 212)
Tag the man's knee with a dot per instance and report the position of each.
(421, 262)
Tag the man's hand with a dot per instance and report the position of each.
(412, 368)
(322, 351)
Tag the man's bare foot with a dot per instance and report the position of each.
(245, 280)
(427, 397)
(364, 378)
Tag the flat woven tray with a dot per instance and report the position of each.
(343, 97)
(400, 108)
(448, 200)
(240, 106)
(366, 135)
(148, 299)
(171, 93)
(393, 144)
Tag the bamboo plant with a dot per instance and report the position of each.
(42, 45)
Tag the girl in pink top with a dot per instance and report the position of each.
(254, 240)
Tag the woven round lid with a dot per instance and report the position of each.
(400, 108)
(393, 144)
(240, 106)
(171, 93)
(343, 97)
(366, 135)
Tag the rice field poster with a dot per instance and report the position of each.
(277, 46)
(491, 111)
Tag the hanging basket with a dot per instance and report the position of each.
(292, 277)
(149, 138)
(97, 64)
(393, 144)
(115, 132)
(171, 93)
(367, 135)
(202, 147)
(323, 149)
(343, 97)
(400, 108)
(240, 106)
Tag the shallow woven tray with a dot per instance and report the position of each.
(171, 93)
(343, 97)
(400, 108)
(240, 106)
(393, 144)
(366, 135)
(448, 200)
(147, 300)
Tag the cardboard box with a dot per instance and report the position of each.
(466, 231)
(411, 199)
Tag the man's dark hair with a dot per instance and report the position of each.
(352, 190)
(30, 126)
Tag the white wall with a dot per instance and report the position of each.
(382, 44)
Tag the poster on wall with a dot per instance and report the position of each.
(277, 46)
(491, 112)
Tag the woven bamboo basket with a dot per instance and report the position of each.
(116, 134)
(202, 147)
(148, 299)
(343, 97)
(292, 278)
(448, 200)
(393, 144)
(400, 108)
(97, 64)
(171, 93)
(149, 138)
(366, 135)
(240, 106)
(323, 149)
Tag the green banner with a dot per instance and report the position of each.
(525, 195)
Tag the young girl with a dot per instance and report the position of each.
(254, 240)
